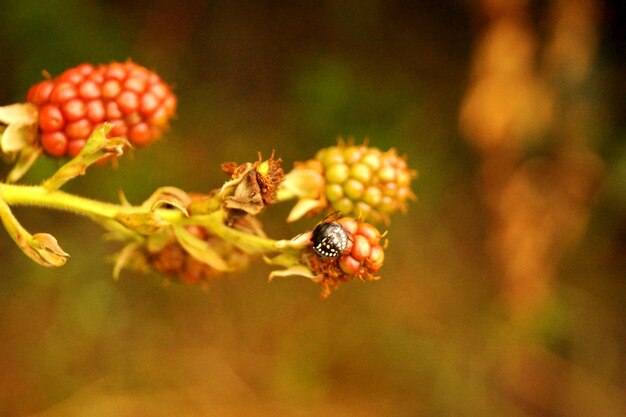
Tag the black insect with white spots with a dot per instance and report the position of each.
(330, 239)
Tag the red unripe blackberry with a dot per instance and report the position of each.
(333, 263)
(366, 255)
(133, 98)
(376, 258)
(51, 118)
(361, 248)
(40, 93)
(349, 265)
(55, 143)
(74, 109)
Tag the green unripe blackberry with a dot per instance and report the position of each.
(366, 182)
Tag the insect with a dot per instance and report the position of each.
(330, 239)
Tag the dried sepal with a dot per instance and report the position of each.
(131, 254)
(306, 183)
(294, 266)
(306, 180)
(48, 249)
(306, 207)
(21, 127)
(200, 249)
(299, 242)
(300, 271)
(18, 137)
(157, 241)
(168, 197)
(24, 113)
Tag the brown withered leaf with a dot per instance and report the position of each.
(247, 196)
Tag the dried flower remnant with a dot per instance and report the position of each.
(253, 185)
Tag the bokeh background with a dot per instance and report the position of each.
(504, 288)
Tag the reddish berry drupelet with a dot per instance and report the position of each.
(366, 254)
(133, 98)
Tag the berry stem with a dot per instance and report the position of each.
(13, 227)
(41, 247)
(107, 214)
(245, 241)
(40, 196)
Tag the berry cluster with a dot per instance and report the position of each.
(361, 258)
(134, 99)
(365, 182)
(366, 255)
(175, 262)
(194, 238)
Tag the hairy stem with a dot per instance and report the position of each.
(245, 241)
(107, 214)
(43, 197)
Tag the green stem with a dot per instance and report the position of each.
(12, 226)
(107, 214)
(245, 241)
(43, 197)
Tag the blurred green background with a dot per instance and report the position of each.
(504, 287)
